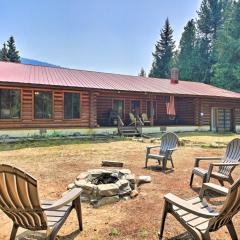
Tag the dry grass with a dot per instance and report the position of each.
(56, 165)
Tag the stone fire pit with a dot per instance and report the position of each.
(103, 186)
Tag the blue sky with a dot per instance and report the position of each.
(101, 35)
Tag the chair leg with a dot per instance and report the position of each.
(14, 231)
(221, 182)
(164, 215)
(146, 162)
(191, 179)
(172, 162)
(232, 230)
(77, 205)
(164, 164)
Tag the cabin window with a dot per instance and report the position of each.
(71, 105)
(154, 109)
(118, 107)
(135, 107)
(9, 104)
(42, 105)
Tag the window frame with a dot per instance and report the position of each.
(153, 101)
(123, 101)
(33, 107)
(80, 108)
(20, 94)
(140, 106)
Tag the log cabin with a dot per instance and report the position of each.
(36, 98)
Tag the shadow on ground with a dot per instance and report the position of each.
(27, 235)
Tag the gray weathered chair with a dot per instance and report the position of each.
(145, 119)
(19, 200)
(225, 167)
(169, 142)
(198, 218)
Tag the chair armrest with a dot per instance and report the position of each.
(225, 164)
(67, 198)
(215, 188)
(150, 147)
(172, 149)
(184, 205)
(198, 159)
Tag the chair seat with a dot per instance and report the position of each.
(194, 221)
(54, 216)
(156, 156)
(203, 172)
(199, 171)
(219, 175)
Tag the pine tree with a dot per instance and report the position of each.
(142, 73)
(3, 53)
(163, 56)
(210, 19)
(227, 52)
(186, 60)
(13, 54)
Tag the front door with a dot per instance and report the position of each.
(222, 120)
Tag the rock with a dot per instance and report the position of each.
(131, 178)
(80, 183)
(107, 163)
(71, 186)
(107, 200)
(76, 134)
(122, 183)
(125, 191)
(126, 198)
(97, 172)
(108, 189)
(82, 175)
(125, 171)
(84, 197)
(144, 179)
(134, 193)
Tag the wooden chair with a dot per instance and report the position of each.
(225, 167)
(145, 119)
(169, 142)
(132, 118)
(19, 200)
(198, 218)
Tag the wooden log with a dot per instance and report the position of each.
(108, 163)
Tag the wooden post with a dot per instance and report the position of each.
(151, 112)
(92, 109)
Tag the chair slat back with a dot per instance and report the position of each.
(19, 198)
(232, 155)
(229, 209)
(132, 117)
(168, 141)
(145, 117)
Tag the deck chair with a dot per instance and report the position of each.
(229, 161)
(19, 200)
(132, 118)
(198, 218)
(145, 119)
(169, 142)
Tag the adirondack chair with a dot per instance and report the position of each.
(19, 200)
(229, 161)
(145, 119)
(132, 118)
(198, 218)
(169, 142)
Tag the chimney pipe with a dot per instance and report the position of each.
(174, 75)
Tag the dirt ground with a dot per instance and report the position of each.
(57, 165)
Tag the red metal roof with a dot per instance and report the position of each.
(56, 76)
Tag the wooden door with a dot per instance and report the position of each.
(222, 120)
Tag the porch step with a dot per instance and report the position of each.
(129, 131)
